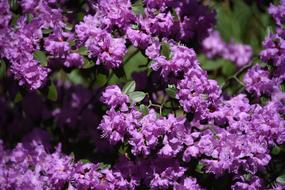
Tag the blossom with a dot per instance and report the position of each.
(114, 97)
(30, 73)
(116, 12)
(107, 49)
(198, 94)
(115, 125)
(257, 81)
(73, 60)
(56, 48)
(274, 48)
(278, 12)
(188, 183)
(214, 46)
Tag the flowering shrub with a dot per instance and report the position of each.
(143, 94)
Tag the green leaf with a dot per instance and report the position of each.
(101, 79)
(13, 5)
(134, 61)
(69, 26)
(18, 97)
(75, 77)
(83, 51)
(137, 96)
(281, 179)
(135, 26)
(165, 50)
(41, 57)
(228, 68)
(143, 109)
(275, 150)
(85, 161)
(208, 64)
(103, 166)
(29, 17)
(2, 69)
(52, 93)
(72, 43)
(171, 91)
(138, 8)
(88, 63)
(46, 30)
(129, 87)
(199, 168)
(174, 14)
(14, 19)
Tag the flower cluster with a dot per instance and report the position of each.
(174, 127)
(214, 46)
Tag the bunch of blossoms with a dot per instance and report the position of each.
(178, 20)
(214, 46)
(19, 42)
(228, 136)
(17, 45)
(259, 80)
(274, 44)
(30, 166)
(95, 32)
(196, 93)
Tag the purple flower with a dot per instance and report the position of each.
(278, 12)
(146, 133)
(164, 173)
(230, 152)
(214, 45)
(198, 94)
(115, 12)
(115, 125)
(240, 54)
(274, 50)
(138, 38)
(73, 60)
(30, 73)
(114, 97)
(188, 183)
(5, 14)
(174, 136)
(56, 48)
(253, 183)
(182, 59)
(107, 49)
(258, 82)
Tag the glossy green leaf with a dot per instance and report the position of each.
(2, 68)
(129, 87)
(228, 68)
(47, 30)
(52, 93)
(165, 50)
(199, 168)
(138, 7)
(41, 57)
(18, 97)
(101, 79)
(137, 96)
(281, 179)
(88, 63)
(143, 109)
(210, 64)
(83, 51)
(85, 161)
(275, 150)
(103, 166)
(171, 91)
